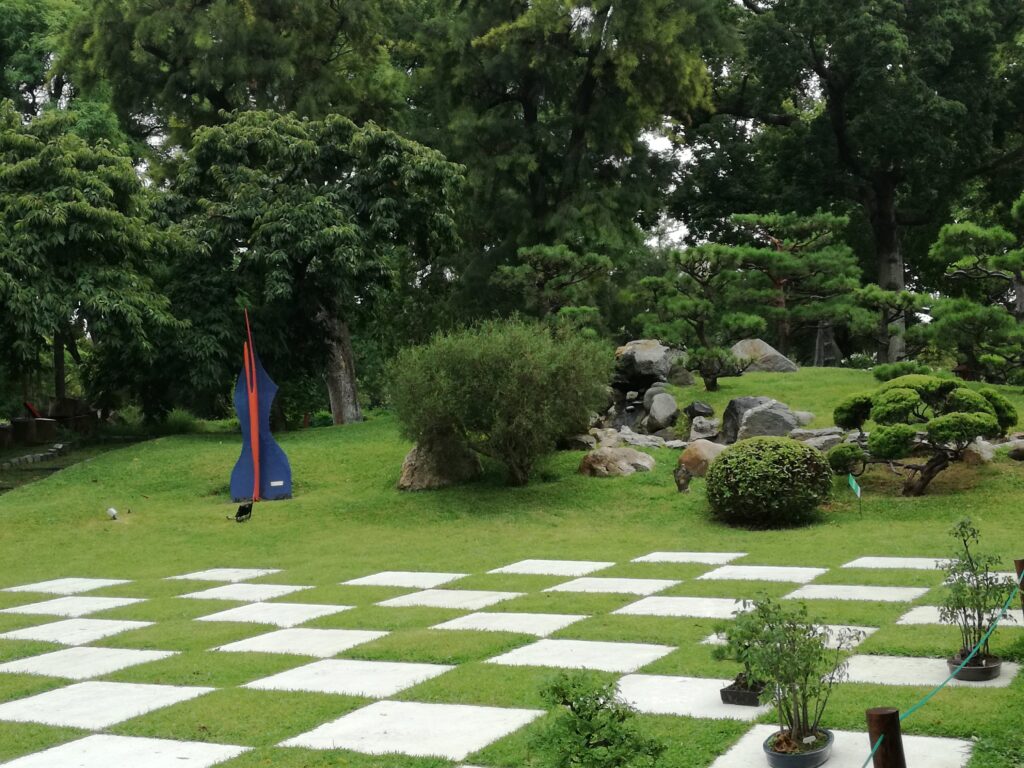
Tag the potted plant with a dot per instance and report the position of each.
(975, 593)
(799, 662)
(740, 635)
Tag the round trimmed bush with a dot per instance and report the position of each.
(768, 482)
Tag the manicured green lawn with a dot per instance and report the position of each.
(346, 520)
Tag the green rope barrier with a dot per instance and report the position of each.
(928, 697)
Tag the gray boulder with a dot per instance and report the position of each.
(979, 452)
(734, 415)
(824, 442)
(807, 434)
(426, 467)
(698, 456)
(763, 357)
(615, 462)
(662, 413)
(803, 418)
(678, 374)
(697, 408)
(642, 362)
(606, 438)
(629, 437)
(772, 419)
(702, 428)
(656, 389)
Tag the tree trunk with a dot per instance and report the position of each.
(918, 482)
(60, 380)
(891, 270)
(826, 351)
(341, 373)
(710, 381)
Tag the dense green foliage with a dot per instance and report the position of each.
(508, 390)
(951, 415)
(594, 728)
(768, 482)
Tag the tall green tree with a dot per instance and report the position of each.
(30, 34)
(307, 222)
(808, 274)
(547, 104)
(76, 241)
(888, 106)
(174, 65)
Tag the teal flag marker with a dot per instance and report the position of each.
(854, 485)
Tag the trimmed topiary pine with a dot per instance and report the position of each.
(768, 482)
(918, 415)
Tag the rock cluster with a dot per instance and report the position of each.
(639, 403)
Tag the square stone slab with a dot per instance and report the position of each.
(584, 654)
(763, 573)
(909, 563)
(554, 567)
(95, 705)
(451, 731)
(851, 750)
(106, 751)
(74, 631)
(914, 670)
(377, 679)
(410, 579)
(538, 624)
(707, 558)
(69, 586)
(81, 663)
(279, 614)
(464, 599)
(246, 593)
(689, 607)
(929, 614)
(231, 575)
(835, 632)
(687, 696)
(321, 643)
(73, 607)
(856, 592)
(614, 586)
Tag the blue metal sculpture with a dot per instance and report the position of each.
(262, 471)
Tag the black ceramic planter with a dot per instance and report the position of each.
(811, 759)
(989, 669)
(741, 695)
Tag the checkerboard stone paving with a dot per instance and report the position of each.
(355, 660)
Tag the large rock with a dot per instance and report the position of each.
(702, 428)
(641, 363)
(629, 437)
(698, 456)
(427, 468)
(678, 373)
(662, 413)
(697, 408)
(807, 434)
(606, 438)
(733, 415)
(650, 394)
(763, 356)
(772, 419)
(979, 452)
(824, 442)
(615, 462)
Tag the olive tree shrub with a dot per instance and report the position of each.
(919, 416)
(505, 389)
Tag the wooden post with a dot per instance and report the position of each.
(885, 721)
(1019, 565)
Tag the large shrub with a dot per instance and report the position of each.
(507, 389)
(917, 415)
(768, 482)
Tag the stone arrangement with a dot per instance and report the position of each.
(93, 696)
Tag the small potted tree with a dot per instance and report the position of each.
(740, 636)
(800, 663)
(975, 593)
